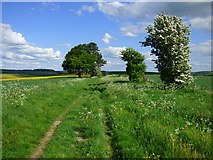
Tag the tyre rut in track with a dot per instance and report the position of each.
(115, 149)
(48, 135)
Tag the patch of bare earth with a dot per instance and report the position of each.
(45, 139)
(79, 138)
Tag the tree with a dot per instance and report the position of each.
(78, 60)
(169, 40)
(93, 49)
(84, 58)
(135, 66)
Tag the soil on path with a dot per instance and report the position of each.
(41, 147)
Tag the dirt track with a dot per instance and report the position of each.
(48, 135)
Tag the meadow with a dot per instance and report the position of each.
(107, 117)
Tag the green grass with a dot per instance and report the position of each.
(82, 133)
(108, 117)
(201, 82)
(160, 123)
(29, 108)
(204, 82)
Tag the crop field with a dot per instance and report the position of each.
(106, 117)
(8, 77)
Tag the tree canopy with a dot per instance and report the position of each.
(83, 58)
(135, 64)
(169, 39)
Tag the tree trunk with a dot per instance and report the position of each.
(79, 73)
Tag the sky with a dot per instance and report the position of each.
(39, 34)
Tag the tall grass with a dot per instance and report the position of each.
(108, 117)
(159, 123)
(29, 108)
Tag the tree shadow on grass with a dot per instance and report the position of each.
(121, 82)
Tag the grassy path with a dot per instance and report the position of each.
(83, 131)
(41, 147)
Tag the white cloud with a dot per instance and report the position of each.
(113, 58)
(148, 56)
(110, 63)
(17, 53)
(50, 5)
(8, 36)
(86, 8)
(23, 56)
(197, 13)
(111, 52)
(114, 9)
(121, 10)
(200, 57)
(7, 54)
(147, 9)
(79, 12)
(132, 30)
(68, 45)
(89, 9)
(199, 66)
(107, 38)
(202, 49)
(201, 23)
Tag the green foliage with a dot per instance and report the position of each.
(78, 60)
(169, 40)
(102, 121)
(84, 58)
(135, 64)
(92, 48)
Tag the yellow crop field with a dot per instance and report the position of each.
(8, 77)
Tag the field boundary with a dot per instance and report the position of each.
(48, 135)
(37, 77)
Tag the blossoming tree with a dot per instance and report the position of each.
(169, 39)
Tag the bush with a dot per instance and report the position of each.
(135, 65)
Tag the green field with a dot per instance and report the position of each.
(107, 117)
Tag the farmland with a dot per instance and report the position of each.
(107, 117)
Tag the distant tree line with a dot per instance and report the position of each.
(43, 70)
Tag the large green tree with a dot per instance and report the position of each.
(93, 49)
(78, 61)
(169, 39)
(84, 58)
(135, 64)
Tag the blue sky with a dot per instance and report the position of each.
(38, 34)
